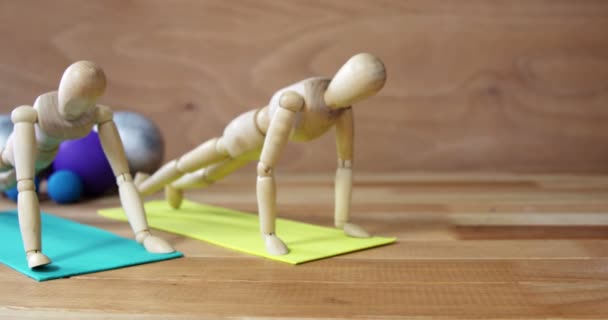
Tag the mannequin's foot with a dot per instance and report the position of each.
(174, 196)
(355, 231)
(152, 243)
(274, 245)
(36, 259)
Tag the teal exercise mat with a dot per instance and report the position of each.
(74, 248)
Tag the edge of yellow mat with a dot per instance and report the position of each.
(379, 241)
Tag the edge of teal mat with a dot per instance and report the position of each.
(18, 263)
(162, 257)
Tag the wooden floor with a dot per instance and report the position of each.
(470, 246)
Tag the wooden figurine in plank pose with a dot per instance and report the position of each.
(300, 112)
(69, 113)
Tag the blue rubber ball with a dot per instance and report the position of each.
(12, 193)
(64, 186)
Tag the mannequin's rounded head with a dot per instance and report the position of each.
(363, 75)
(81, 85)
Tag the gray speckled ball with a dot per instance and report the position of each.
(142, 140)
(6, 127)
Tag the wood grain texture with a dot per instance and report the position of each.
(449, 262)
(479, 85)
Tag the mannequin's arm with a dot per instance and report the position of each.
(129, 196)
(344, 176)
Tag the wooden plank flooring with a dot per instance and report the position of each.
(470, 247)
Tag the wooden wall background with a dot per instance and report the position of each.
(474, 85)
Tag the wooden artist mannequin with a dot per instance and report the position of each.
(69, 113)
(300, 112)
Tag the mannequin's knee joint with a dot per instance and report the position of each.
(264, 170)
(26, 185)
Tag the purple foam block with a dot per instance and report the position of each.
(85, 157)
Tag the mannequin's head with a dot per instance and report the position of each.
(81, 85)
(363, 75)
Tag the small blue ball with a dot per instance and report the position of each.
(64, 186)
(13, 194)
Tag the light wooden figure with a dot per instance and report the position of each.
(69, 113)
(300, 112)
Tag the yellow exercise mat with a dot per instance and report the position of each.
(240, 231)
